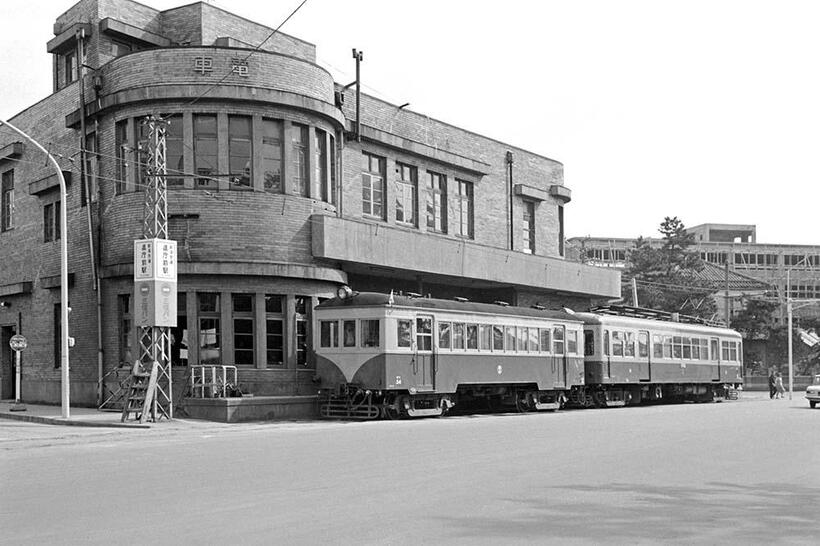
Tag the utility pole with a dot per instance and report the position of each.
(155, 275)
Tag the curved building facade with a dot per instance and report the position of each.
(278, 192)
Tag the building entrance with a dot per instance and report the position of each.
(7, 383)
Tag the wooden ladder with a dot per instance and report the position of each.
(139, 397)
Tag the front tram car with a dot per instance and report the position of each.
(380, 355)
(634, 355)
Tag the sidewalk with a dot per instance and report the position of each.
(79, 417)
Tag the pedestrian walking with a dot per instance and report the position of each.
(772, 388)
(778, 385)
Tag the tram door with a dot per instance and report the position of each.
(644, 356)
(424, 367)
(714, 345)
(559, 359)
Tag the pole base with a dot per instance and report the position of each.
(18, 406)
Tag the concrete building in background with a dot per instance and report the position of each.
(788, 270)
(279, 191)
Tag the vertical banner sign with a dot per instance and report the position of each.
(155, 282)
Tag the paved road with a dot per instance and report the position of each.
(742, 472)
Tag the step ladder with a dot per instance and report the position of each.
(139, 398)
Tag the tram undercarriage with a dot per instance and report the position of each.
(604, 396)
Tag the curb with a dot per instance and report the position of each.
(67, 422)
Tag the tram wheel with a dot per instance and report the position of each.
(390, 413)
(522, 404)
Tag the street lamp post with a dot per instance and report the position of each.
(66, 413)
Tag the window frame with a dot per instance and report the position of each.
(7, 200)
(406, 189)
(465, 204)
(436, 202)
(369, 189)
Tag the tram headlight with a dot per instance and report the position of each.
(344, 292)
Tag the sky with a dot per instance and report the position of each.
(704, 110)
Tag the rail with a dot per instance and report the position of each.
(212, 380)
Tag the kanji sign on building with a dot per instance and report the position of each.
(155, 282)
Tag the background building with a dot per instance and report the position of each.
(789, 270)
(279, 191)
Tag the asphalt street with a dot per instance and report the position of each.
(745, 471)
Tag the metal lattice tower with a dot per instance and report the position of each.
(155, 341)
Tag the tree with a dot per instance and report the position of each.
(666, 276)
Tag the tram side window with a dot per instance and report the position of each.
(629, 344)
(545, 340)
(714, 349)
(606, 342)
(572, 342)
(444, 330)
(687, 347)
(498, 338)
(329, 333)
(643, 344)
(424, 334)
(370, 333)
(522, 339)
(458, 335)
(510, 338)
(486, 337)
(404, 333)
(704, 349)
(349, 327)
(695, 348)
(589, 342)
(472, 336)
(617, 344)
(734, 352)
(558, 340)
(677, 347)
(657, 346)
(533, 340)
(667, 346)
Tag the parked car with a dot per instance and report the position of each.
(813, 391)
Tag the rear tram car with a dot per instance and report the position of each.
(634, 355)
(380, 355)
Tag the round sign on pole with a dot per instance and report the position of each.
(18, 342)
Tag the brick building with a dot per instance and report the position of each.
(275, 199)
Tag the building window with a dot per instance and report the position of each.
(302, 319)
(51, 222)
(272, 155)
(141, 138)
(299, 141)
(560, 230)
(373, 168)
(205, 150)
(7, 201)
(465, 208)
(239, 150)
(210, 334)
(274, 330)
(529, 227)
(174, 155)
(436, 202)
(121, 144)
(243, 328)
(179, 333)
(333, 187)
(321, 191)
(90, 170)
(126, 330)
(70, 67)
(406, 185)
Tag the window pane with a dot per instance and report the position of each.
(472, 336)
(239, 150)
(444, 335)
(273, 303)
(275, 341)
(404, 333)
(272, 155)
(370, 333)
(209, 341)
(299, 140)
(174, 154)
(458, 335)
(242, 303)
(498, 338)
(486, 335)
(205, 149)
(350, 333)
(546, 345)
